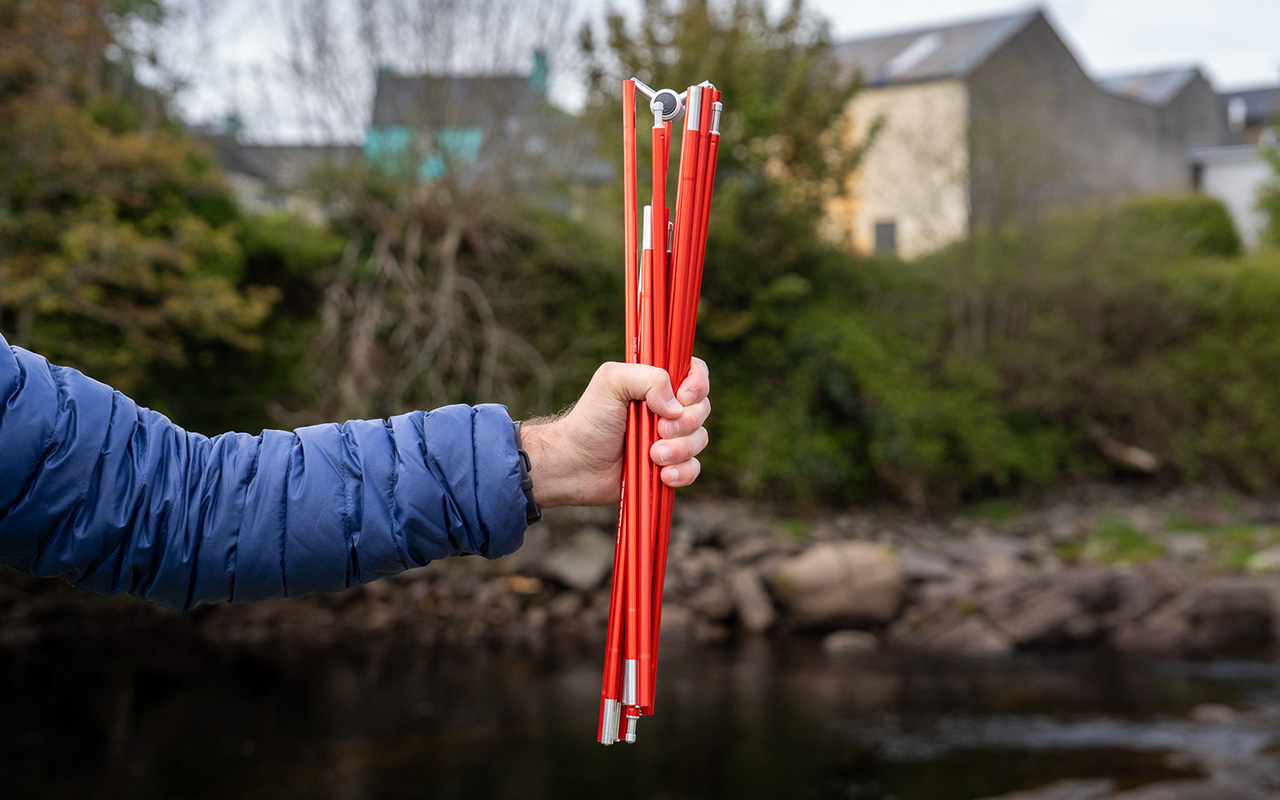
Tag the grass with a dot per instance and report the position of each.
(1178, 521)
(996, 510)
(1235, 545)
(1113, 541)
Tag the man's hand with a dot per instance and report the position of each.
(576, 459)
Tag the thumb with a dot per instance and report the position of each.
(628, 382)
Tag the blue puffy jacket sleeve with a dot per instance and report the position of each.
(119, 499)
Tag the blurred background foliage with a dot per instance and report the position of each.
(1108, 342)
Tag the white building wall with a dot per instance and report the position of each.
(1235, 175)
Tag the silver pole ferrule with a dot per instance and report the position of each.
(616, 723)
(646, 240)
(631, 729)
(695, 108)
(716, 108)
(609, 731)
(629, 692)
(671, 235)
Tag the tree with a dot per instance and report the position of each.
(785, 153)
(118, 252)
(455, 273)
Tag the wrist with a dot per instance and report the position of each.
(553, 481)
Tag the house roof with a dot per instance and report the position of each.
(452, 101)
(1261, 105)
(934, 53)
(1155, 88)
(283, 166)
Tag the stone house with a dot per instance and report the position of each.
(267, 178)
(1253, 115)
(991, 122)
(496, 128)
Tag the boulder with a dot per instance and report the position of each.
(1221, 615)
(750, 550)
(971, 636)
(1069, 607)
(840, 583)
(920, 565)
(849, 643)
(582, 561)
(712, 602)
(1213, 714)
(756, 613)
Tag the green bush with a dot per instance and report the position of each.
(1194, 224)
(1004, 361)
(1269, 197)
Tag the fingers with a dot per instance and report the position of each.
(697, 384)
(670, 452)
(681, 474)
(693, 394)
(626, 382)
(682, 420)
(690, 419)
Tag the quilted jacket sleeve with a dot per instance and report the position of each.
(119, 499)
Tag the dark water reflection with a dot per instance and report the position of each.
(400, 722)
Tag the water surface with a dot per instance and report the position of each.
(750, 722)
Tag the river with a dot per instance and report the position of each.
(151, 721)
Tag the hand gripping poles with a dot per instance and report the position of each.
(663, 275)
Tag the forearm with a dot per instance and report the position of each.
(117, 498)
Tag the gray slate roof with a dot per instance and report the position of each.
(925, 54)
(431, 101)
(1261, 105)
(284, 166)
(1156, 88)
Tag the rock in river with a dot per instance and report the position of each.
(581, 562)
(840, 583)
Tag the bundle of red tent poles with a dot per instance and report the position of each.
(663, 277)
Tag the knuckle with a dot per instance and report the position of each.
(706, 407)
(608, 370)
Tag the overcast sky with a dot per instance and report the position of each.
(1235, 42)
(233, 52)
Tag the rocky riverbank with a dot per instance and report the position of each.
(1187, 573)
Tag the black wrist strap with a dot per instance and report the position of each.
(532, 512)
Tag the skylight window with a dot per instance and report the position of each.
(911, 55)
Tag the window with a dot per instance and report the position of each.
(1237, 114)
(887, 237)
